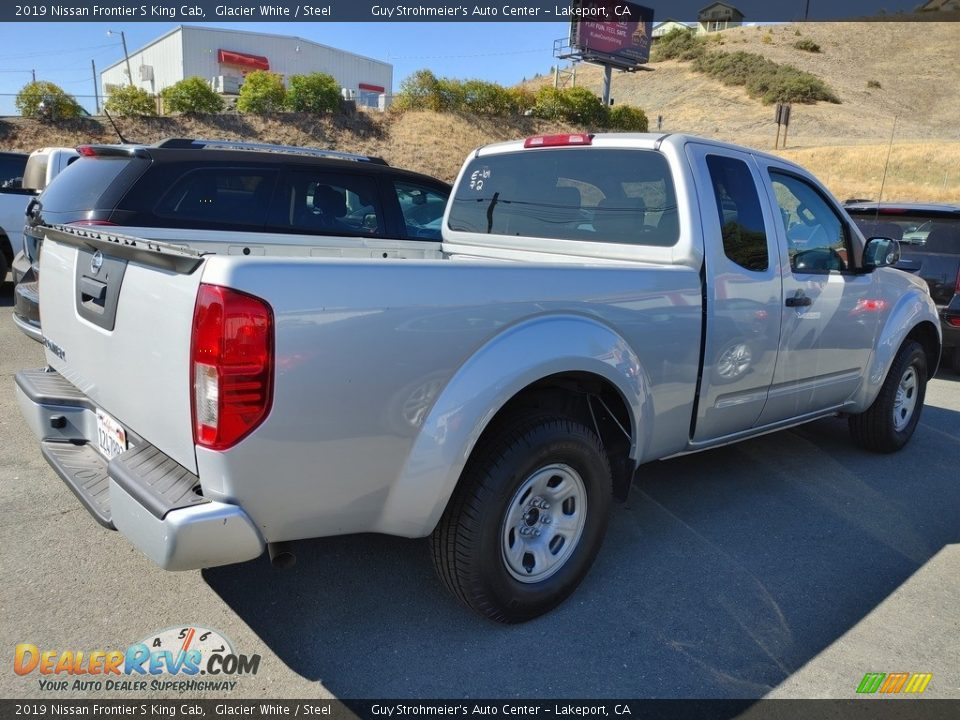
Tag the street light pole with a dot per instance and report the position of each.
(126, 55)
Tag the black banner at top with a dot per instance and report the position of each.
(203, 11)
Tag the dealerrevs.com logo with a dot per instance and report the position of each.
(178, 659)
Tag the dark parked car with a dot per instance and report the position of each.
(12, 165)
(236, 197)
(930, 245)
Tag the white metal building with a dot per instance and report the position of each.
(223, 57)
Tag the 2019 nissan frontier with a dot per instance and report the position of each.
(597, 302)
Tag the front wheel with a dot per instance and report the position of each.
(527, 518)
(889, 423)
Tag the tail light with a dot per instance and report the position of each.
(231, 366)
(92, 223)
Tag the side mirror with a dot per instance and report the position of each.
(880, 252)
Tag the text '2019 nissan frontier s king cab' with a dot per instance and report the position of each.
(597, 302)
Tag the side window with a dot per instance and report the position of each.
(225, 196)
(318, 203)
(741, 217)
(817, 239)
(422, 210)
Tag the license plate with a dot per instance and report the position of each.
(111, 437)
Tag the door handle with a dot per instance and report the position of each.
(799, 301)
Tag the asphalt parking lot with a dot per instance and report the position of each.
(786, 566)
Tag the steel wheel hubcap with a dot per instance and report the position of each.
(543, 523)
(905, 401)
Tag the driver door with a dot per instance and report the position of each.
(827, 327)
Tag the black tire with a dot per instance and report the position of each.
(3, 270)
(877, 429)
(955, 366)
(470, 543)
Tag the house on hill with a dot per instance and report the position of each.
(718, 16)
(662, 28)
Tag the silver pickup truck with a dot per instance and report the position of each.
(598, 302)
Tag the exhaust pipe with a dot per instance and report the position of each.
(281, 555)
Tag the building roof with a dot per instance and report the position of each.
(722, 4)
(296, 38)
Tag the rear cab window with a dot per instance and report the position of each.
(602, 195)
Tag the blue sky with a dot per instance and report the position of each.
(501, 52)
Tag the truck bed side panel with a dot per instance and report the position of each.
(366, 348)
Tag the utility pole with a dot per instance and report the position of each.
(34, 73)
(96, 92)
(126, 55)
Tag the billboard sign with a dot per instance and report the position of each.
(611, 32)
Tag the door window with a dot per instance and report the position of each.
(422, 210)
(741, 217)
(319, 203)
(817, 239)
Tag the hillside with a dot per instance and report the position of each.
(916, 63)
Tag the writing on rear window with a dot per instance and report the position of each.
(583, 194)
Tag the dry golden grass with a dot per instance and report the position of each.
(919, 171)
(437, 144)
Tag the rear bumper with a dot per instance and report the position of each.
(144, 494)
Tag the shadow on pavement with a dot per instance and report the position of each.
(723, 574)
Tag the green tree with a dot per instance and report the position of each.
(130, 100)
(191, 95)
(262, 92)
(317, 93)
(417, 92)
(57, 105)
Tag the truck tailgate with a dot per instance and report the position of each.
(116, 325)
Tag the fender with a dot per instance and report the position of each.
(505, 365)
(913, 306)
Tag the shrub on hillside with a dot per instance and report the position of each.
(873, 84)
(765, 79)
(679, 44)
(131, 101)
(57, 105)
(807, 45)
(521, 100)
(486, 98)
(628, 119)
(417, 92)
(316, 93)
(191, 95)
(262, 93)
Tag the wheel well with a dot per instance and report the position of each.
(926, 334)
(590, 399)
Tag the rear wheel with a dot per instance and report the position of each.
(527, 518)
(956, 360)
(889, 423)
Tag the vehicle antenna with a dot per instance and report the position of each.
(123, 140)
(883, 180)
